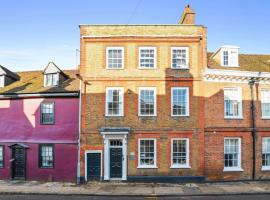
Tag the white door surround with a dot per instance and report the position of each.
(107, 136)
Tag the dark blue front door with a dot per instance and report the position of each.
(93, 166)
(116, 162)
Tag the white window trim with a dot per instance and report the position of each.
(51, 85)
(240, 105)
(123, 58)
(265, 168)
(121, 89)
(154, 166)
(175, 166)
(155, 57)
(187, 113)
(187, 57)
(2, 81)
(239, 167)
(264, 89)
(155, 101)
(229, 57)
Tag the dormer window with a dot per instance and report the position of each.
(51, 79)
(229, 56)
(2, 81)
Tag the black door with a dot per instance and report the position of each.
(93, 166)
(116, 162)
(18, 164)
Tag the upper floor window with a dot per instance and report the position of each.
(147, 153)
(47, 113)
(180, 58)
(147, 57)
(232, 154)
(2, 81)
(265, 103)
(51, 79)
(229, 57)
(266, 153)
(46, 155)
(147, 101)
(232, 102)
(180, 153)
(115, 57)
(114, 101)
(1, 156)
(179, 101)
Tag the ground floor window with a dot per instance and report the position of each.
(180, 153)
(46, 155)
(147, 153)
(1, 156)
(266, 153)
(232, 154)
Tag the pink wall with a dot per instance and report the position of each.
(65, 163)
(20, 121)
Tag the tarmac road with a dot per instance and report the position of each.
(61, 197)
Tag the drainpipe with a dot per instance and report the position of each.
(79, 136)
(253, 122)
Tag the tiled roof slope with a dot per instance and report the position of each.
(32, 82)
(247, 62)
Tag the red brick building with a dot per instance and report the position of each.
(156, 107)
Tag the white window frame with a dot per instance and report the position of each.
(155, 57)
(239, 167)
(187, 99)
(187, 57)
(52, 82)
(155, 101)
(107, 57)
(264, 101)
(231, 63)
(187, 165)
(265, 168)
(41, 113)
(2, 81)
(155, 154)
(121, 97)
(240, 116)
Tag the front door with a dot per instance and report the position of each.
(116, 158)
(18, 164)
(93, 166)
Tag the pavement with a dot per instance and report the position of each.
(135, 189)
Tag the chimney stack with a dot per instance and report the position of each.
(188, 16)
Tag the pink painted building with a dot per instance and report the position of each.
(39, 122)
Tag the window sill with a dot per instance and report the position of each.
(233, 169)
(114, 115)
(266, 117)
(147, 167)
(180, 167)
(147, 115)
(265, 168)
(181, 68)
(143, 68)
(179, 115)
(239, 118)
(115, 68)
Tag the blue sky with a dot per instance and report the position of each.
(34, 32)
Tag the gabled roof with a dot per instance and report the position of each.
(53, 68)
(32, 82)
(6, 72)
(247, 62)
